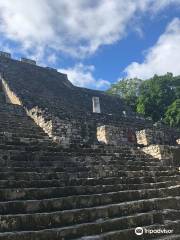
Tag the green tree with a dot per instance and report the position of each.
(153, 97)
(127, 89)
(156, 95)
(172, 115)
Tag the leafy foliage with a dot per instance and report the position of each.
(172, 115)
(157, 97)
(128, 89)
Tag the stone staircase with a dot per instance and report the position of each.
(83, 192)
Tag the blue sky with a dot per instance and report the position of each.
(96, 42)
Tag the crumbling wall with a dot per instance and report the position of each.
(159, 151)
(159, 143)
(154, 136)
(113, 135)
(63, 131)
(42, 119)
(11, 97)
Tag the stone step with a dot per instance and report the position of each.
(16, 163)
(21, 143)
(22, 148)
(129, 234)
(85, 229)
(71, 166)
(9, 175)
(87, 181)
(21, 132)
(25, 151)
(83, 157)
(172, 226)
(105, 156)
(21, 128)
(66, 203)
(38, 165)
(18, 124)
(167, 237)
(87, 151)
(80, 190)
(14, 136)
(24, 141)
(16, 120)
(46, 168)
(90, 152)
(21, 159)
(45, 220)
(5, 119)
(4, 111)
(56, 183)
(171, 214)
(54, 192)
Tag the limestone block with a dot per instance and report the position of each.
(153, 136)
(162, 152)
(115, 135)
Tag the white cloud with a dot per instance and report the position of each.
(160, 4)
(75, 27)
(44, 29)
(163, 57)
(82, 75)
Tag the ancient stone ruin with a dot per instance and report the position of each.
(79, 164)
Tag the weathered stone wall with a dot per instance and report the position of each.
(159, 143)
(162, 152)
(154, 136)
(42, 119)
(158, 151)
(141, 137)
(115, 135)
(65, 132)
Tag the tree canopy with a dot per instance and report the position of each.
(128, 89)
(172, 115)
(158, 97)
